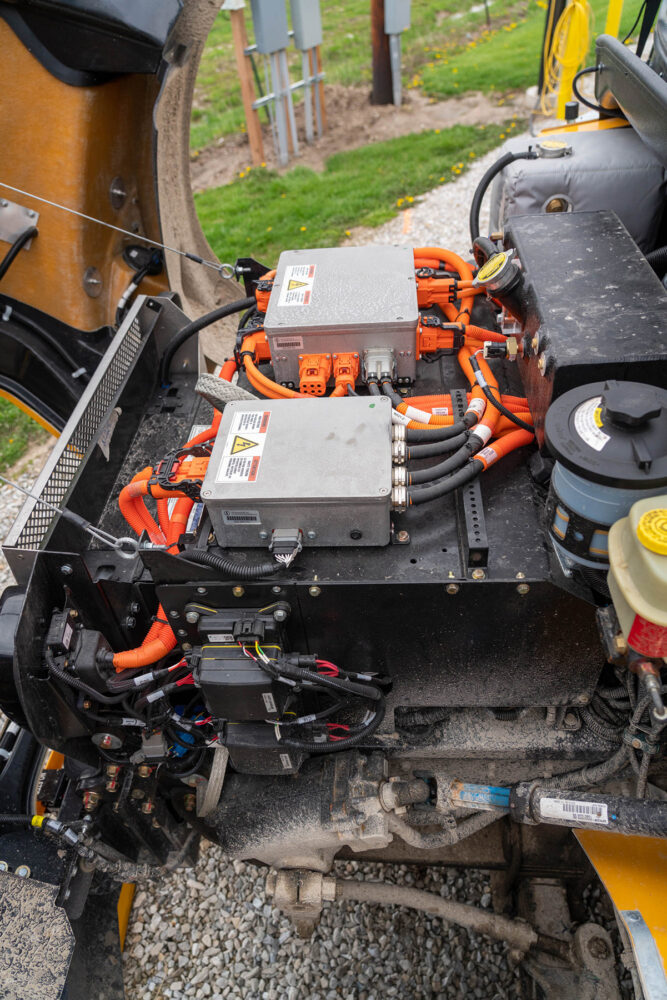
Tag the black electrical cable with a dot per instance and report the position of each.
(609, 112)
(388, 390)
(293, 672)
(15, 819)
(313, 746)
(230, 567)
(15, 248)
(634, 26)
(658, 260)
(444, 486)
(195, 326)
(374, 388)
(438, 433)
(48, 338)
(134, 283)
(78, 684)
(497, 403)
(480, 191)
(450, 465)
(436, 447)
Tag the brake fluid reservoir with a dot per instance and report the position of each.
(638, 575)
(609, 440)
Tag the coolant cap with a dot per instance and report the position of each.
(652, 530)
(552, 149)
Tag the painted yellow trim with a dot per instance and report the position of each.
(125, 900)
(597, 125)
(613, 22)
(33, 414)
(634, 872)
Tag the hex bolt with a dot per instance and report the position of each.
(570, 720)
(478, 574)
(598, 948)
(202, 591)
(4, 867)
(147, 807)
(620, 644)
(22, 871)
(264, 535)
(403, 537)
(134, 607)
(276, 590)
(279, 615)
(173, 614)
(129, 622)
(66, 569)
(238, 591)
(182, 632)
(311, 534)
(91, 800)
(206, 493)
(144, 771)
(636, 743)
(189, 802)
(192, 617)
(112, 770)
(314, 591)
(111, 785)
(452, 588)
(522, 588)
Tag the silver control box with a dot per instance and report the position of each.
(343, 300)
(318, 466)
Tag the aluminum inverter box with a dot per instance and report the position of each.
(346, 299)
(319, 466)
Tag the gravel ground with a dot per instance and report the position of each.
(11, 501)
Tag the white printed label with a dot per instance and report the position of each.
(477, 406)
(243, 447)
(572, 809)
(487, 455)
(288, 343)
(483, 433)
(421, 416)
(269, 702)
(221, 637)
(297, 286)
(440, 411)
(399, 418)
(68, 631)
(286, 761)
(588, 423)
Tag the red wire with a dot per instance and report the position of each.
(188, 679)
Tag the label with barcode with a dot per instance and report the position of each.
(288, 343)
(286, 761)
(269, 702)
(221, 637)
(241, 517)
(574, 809)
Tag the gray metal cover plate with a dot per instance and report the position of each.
(321, 465)
(342, 300)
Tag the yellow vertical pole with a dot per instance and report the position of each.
(613, 21)
(576, 26)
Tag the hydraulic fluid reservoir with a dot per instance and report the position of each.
(638, 575)
(609, 440)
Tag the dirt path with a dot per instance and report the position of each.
(354, 122)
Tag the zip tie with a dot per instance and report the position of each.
(224, 270)
(7, 313)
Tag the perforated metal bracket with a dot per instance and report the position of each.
(14, 220)
(470, 507)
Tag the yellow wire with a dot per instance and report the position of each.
(576, 19)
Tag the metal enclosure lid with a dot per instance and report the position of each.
(315, 451)
(369, 289)
(269, 18)
(307, 23)
(396, 16)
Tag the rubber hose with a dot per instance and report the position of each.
(480, 191)
(658, 260)
(374, 389)
(440, 489)
(482, 249)
(388, 390)
(230, 567)
(39, 331)
(14, 249)
(440, 433)
(195, 326)
(609, 112)
(15, 819)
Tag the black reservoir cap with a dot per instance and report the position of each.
(612, 432)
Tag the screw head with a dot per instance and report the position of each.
(206, 493)
(90, 801)
(66, 569)
(314, 591)
(452, 588)
(522, 589)
(598, 947)
(276, 590)
(570, 720)
(112, 770)
(4, 867)
(181, 632)
(173, 614)
(636, 743)
(403, 537)
(202, 590)
(311, 534)
(111, 785)
(22, 871)
(129, 622)
(356, 534)
(192, 617)
(263, 535)
(144, 771)
(521, 576)
(478, 574)
(238, 591)
(279, 615)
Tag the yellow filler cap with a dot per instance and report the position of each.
(652, 530)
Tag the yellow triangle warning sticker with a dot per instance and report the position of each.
(292, 284)
(242, 444)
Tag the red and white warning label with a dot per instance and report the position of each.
(297, 287)
(244, 446)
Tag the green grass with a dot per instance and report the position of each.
(266, 212)
(346, 54)
(506, 58)
(17, 433)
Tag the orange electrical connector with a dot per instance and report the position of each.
(346, 370)
(314, 373)
(263, 290)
